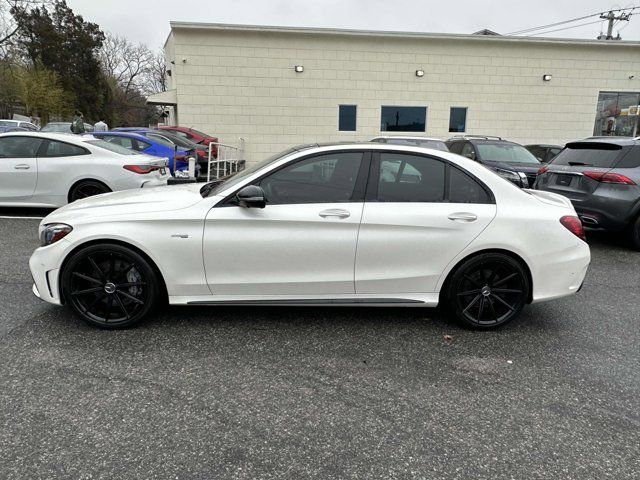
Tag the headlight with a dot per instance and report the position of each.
(53, 232)
(511, 176)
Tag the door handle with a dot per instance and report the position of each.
(335, 212)
(463, 217)
(22, 166)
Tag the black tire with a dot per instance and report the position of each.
(487, 291)
(109, 286)
(634, 231)
(87, 188)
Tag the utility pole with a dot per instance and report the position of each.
(611, 17)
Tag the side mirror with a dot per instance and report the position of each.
(251, 196)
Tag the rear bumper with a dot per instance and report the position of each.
(157, 182)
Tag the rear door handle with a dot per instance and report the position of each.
(463, 217)
(22, 166)
(335, 213)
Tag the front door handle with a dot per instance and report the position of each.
(335, 213)
(22, 166)
(463, 217)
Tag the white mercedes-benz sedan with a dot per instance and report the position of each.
(357, 224)
(51, 169)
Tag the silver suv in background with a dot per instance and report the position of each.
(601, 177)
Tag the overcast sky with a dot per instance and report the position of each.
(147, 21)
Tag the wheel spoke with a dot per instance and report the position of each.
(481, 309)
(130, 297)
(473, 302)
(107, 312)
(124, 309)
(87, 278)
(469, 292)
(131, 284)
(88, 290)
(493, 308)
(123, 272)
(95, 301)
(112, 266)
(503, 280)
(506, 290)
(473, 281)
(503, 302)
(96, 267)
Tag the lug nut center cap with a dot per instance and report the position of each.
(486, 291)
(109, 287)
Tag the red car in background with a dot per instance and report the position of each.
(190, 134)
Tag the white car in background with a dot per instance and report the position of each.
(52, 169)
(20, 124)
(318, 225)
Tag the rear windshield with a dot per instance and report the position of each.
(505, 152)
(603, 155)
(112, 147)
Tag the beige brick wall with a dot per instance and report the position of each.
(242, 84)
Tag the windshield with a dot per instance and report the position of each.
(112, 147)
(505, 152)
(236, 178)
(8, 123)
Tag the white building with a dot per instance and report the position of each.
(280, 86)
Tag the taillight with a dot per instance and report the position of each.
(574, 225)
(141, 169)
(604, 177)
(544, 169)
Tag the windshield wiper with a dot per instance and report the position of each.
(579, 164)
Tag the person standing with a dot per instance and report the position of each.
(101, 126)
(77, 124)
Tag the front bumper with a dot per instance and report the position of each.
(45, 263)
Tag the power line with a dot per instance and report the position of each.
(564, 22)
(565, 28)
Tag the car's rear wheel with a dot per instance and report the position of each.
(87, 188)
(109, 286)
(488, 290)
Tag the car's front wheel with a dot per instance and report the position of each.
(109, 286)
(488, 290)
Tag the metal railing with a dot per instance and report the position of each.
(227, 160)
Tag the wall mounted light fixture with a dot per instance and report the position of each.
(419, 73)
(298, 68)
(546, 77)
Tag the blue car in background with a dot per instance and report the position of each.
(139, 143)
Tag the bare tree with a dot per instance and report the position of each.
(155, 79)
(126, 63)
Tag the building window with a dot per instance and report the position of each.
(347, 118)
(617, 114)
(403, 119)
(458, 119)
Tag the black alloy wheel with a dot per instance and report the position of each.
(488, 290)
(109, 286)
(87, 188)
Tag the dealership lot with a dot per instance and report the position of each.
(318, 392)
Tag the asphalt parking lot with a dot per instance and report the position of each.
(322, 393)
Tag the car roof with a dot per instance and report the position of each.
(623, 141)
(544, 145)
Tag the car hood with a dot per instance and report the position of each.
(516, 167)
(129, 202)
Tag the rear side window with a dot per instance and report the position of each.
(141, 145)
(410, 178)
(19, 147)
(464, 189)
(61, 149)
(631, 159)
(603, 155)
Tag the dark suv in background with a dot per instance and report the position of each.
(600, 175)
(508, 159)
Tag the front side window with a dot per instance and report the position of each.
(327, 178)
(403, 119)
(458, 119)
(19, 147)
(410, 178)
(347, 118)
(61, 149)
(162, 140)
